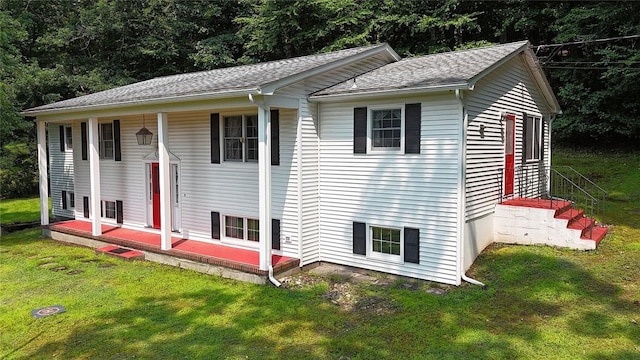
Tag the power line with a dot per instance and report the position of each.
(538, 47)
(589, 67)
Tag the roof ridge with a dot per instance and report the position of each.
(521, 42)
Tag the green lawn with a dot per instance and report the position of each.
(540, 303)
(20, 210)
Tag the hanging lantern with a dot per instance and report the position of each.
(144, 136)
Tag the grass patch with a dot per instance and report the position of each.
(541, 303)
(20, 210)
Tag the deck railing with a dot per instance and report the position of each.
(558, 183)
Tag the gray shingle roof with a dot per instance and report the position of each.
(247, 77)
(430, 71)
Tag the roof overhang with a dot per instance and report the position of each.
(140, 102)
(390, 92)
(384, 49)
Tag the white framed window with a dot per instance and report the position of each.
(241, 228)
(386, 128)
(71, 199)
(68, 138)
(385, 243)
(240, 133)
(105, 141)
(109, 209)
(533, 139)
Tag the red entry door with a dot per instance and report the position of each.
(509, 162)
(155, 186)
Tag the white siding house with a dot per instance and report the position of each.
(354, 157)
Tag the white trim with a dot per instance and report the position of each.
(299, 176)
(383, 150)
(162, 100)
(389, 92)
(43, 172)
(240, 243)
(269, 88)
(94, 176)
(375, 255)
(462, 185)
(264, 184)
(165, 181)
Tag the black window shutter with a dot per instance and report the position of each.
(215, 139)
(412, 120)
(524, 137)
(116, 141)
(85, 206)
(64, 200)
(275, 137)
(360, 130)
(359, 238)
(119, 214)
(412, 245)
(275, 234)
(61, 138)
(215, 225)
(83, 135)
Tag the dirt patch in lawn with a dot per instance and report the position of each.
(356, 290)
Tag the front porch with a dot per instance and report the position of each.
(225, 261)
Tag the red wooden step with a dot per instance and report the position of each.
(596, 235)
(570, 214)
(120, 252)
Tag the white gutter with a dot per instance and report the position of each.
(374, 93)
(162, 100)
(462, 201)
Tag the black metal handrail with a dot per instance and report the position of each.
(557, 183)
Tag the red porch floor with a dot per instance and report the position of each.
(231, 257)
(538, 203)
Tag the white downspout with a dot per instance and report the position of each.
(462, 181)
(265, 203)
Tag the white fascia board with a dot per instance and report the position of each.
(390, 92)
(534, 69)
(142, 108)
(498, 63)
(141, 102)
(270, 88)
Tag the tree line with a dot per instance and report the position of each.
(58, 49)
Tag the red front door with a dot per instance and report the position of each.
(155, 186)
(509, 154)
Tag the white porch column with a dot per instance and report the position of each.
(43, 169)
(264, 184)
(94, 176)
(165, 181)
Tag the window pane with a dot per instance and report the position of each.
(110, 209)
(105, 142)
(72, 199)
(530, 137)
(253, 230)
(68, 140)
(385, 240)
(233, 126)
(232, 149)
(234, 227)
(251, 142)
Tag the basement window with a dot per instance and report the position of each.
(385, 243)
(242, 228)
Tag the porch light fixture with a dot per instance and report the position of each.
(144, 136)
